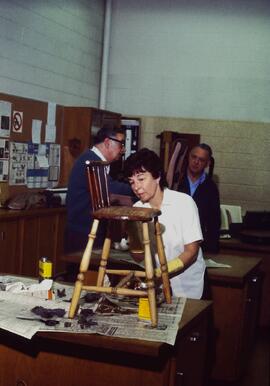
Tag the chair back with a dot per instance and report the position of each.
(97, 174)
(176, 167)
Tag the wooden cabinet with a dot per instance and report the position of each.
(87, 359)
(28, 251)
(236, 297)
(79, 127)
(191, 348)
(237, 247)
(8, 245)
(27, 235)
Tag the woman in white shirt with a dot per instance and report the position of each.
(179, 216)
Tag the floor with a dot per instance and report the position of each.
(258, 369)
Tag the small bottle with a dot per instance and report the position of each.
(45, 268)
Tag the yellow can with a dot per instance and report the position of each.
(45, 268)
(144, 309)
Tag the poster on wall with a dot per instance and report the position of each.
(5, 118)
(18, 163)
(54, 164)
(4, 159)
(37, 166)
(43, 167)
(50, 128)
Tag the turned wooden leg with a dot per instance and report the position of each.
(75, 297)
(149, 272)
(88, 250)
(163, 263)
(83, 268)
(103, 261)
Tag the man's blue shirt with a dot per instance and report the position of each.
(194, 185)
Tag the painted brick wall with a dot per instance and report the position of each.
(51, 50)
(191, 58)
(241, 151)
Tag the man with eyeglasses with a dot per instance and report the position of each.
(109, 146)
(198, 184)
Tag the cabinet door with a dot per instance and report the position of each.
(29, 241)
(59, 265)
(250, 318)
(9, 262)
(191, 365)
(40, 235)
(47, 236)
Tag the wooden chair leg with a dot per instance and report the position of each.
(88, 250)
(149, 272)
(75, 298)
(103, 261)
(163, 263)
(83, 268)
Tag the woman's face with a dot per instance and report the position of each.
(144, 185)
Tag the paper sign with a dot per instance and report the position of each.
(17, 122)
(36, 130)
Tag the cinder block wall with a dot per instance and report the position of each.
(241, 151)
(51, 50)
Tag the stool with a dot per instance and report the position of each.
(98, 187)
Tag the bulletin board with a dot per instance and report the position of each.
(30, 144)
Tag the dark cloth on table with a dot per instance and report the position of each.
(206, 197)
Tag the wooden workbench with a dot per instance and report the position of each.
(84, 359)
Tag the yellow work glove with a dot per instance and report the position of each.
(174, 265)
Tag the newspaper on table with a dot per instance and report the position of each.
(103, 315)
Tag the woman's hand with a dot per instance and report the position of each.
(185, 259)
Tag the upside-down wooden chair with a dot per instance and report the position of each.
(176, 168)
(98, 186)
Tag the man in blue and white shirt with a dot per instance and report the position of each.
(198, 184)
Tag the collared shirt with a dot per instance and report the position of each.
(101, 156)
(179, 215)
(194, 185)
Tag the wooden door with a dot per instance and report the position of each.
(250, 319)
(228, 319)
(191, 358)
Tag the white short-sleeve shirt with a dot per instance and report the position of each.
(179, 215)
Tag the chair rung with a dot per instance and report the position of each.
(114, 290)
(124, 272)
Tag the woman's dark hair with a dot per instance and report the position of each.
(145, 160)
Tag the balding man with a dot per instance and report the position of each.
(198, 184)
(109, 146)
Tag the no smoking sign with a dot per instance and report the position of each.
(17, 122)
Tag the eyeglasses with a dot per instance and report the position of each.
(122, 143)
